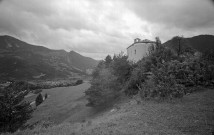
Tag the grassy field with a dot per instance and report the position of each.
(191, 115)
(61, 104)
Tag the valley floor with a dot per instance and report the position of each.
(62, 104)
(191, 115)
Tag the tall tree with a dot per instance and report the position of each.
(178, 44)
(158, 42)
(108, 60)
(14, 111)
(121, 67)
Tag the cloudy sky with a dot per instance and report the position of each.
(96, 28)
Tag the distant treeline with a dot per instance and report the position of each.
(25, 85)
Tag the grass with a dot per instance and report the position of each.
(61, 104)
(191, 115)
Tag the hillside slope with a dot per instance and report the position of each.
(201, 43)
(192, 115)
(20, 60)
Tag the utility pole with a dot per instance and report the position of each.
(179, 46)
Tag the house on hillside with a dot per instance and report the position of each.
(139, 49)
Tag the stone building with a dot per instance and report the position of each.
(139, 49)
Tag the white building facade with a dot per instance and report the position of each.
(139, 49)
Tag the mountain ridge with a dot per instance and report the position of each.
(21, 60)
(201, 43)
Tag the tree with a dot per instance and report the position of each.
(121, 67)
(182, 46)
(158, 42)
(96, 71)
(108, 60)
(178, 49)
(39, 99)
(104, 88)
(14, 111)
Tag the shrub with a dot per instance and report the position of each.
(78, 82)
(207, 74)
(14, 111)
(174, 78)
(46, 95)
(161, 84)
(138, 76)
(39, 99)
(165, 81)
(208, 56)
(193, 72)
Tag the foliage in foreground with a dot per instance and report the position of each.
(14, 111)
(164, 73)
(161, 84)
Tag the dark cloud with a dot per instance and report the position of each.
(185, 14)
(99, 27)
(84, 26)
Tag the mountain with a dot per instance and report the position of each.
(20, 60)
(201, 43)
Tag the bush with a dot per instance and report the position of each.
(141, 71)
(78, 82)
(46, 95)
(14, 111)
(162, 85)
(164, 82)
(39, 99)
(193, 72)
(175, 78)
